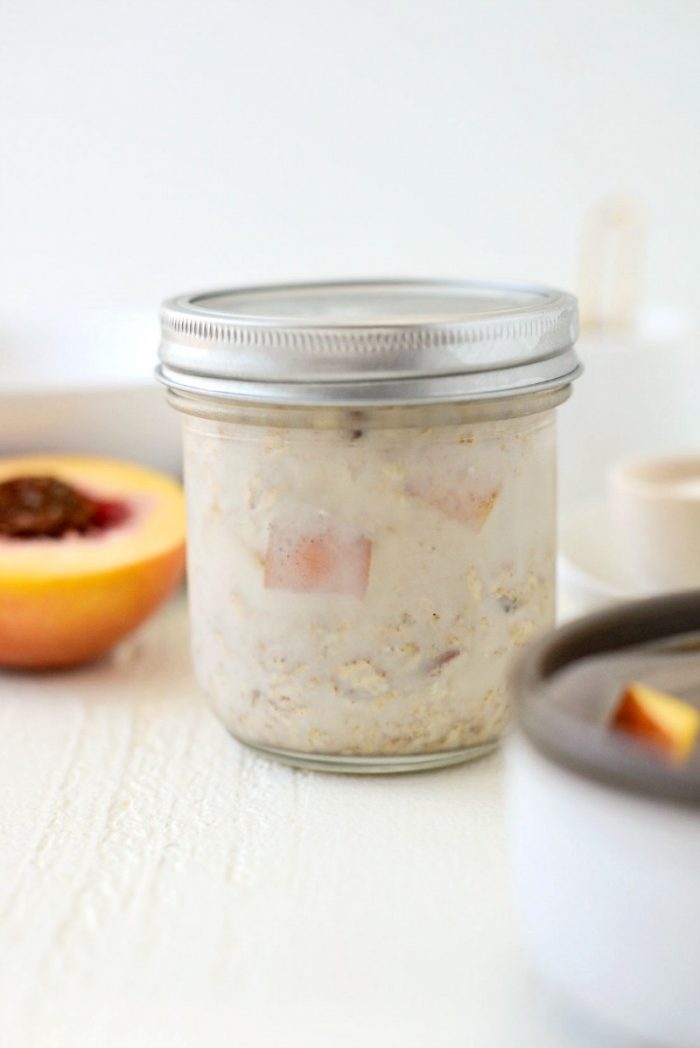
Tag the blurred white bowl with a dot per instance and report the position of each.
(605, 837)
(82, 381)
(606, 885)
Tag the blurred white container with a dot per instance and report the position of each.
(605, 837)
(638, 395)
(608, 898)
(655, 513)
(82, 381)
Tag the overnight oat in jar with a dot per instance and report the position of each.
(370, 477)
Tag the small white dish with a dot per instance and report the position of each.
(589, 573)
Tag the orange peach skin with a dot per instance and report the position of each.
(62, 622)
(62, 604)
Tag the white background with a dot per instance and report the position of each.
(152, 146)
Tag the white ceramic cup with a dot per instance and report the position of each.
(655, 517)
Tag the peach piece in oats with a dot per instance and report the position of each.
(325, 560)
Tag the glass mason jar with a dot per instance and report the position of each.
(370, 479)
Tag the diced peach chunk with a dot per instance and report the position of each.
(662, 721)
(469, 501)
(324, 560)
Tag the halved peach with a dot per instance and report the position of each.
(89, 548)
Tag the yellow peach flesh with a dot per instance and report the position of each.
(66, 600)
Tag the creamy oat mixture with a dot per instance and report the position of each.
(359, 592)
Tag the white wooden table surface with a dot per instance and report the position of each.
(161, 886)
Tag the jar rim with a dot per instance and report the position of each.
(372, 416)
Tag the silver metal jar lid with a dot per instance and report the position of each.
(369, 342)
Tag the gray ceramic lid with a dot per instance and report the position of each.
(567, 685)
(369, 342)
